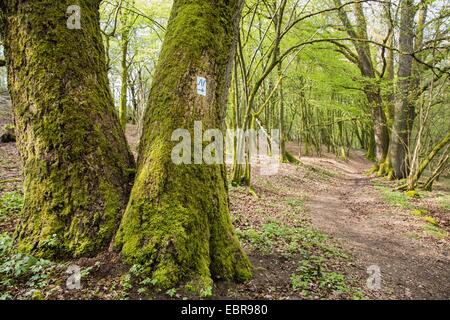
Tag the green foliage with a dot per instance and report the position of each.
(312, 274)
(127, 284)
(279, 237)
(430, 220)
(171, 292)
(320, 173)
(315, 251)
(257, 239)
(444, 202)
(296, 202)
(10, 203)
(412, 194)
(21, 268)
(435, 231)
(394, 198)
(418, 212)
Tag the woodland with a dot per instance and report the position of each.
(350, 101)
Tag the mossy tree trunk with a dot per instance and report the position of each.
(76, 161)
(414, 177)
(399, 143)
(177, 222)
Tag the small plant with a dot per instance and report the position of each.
(10, 203)
(206, 292)
(51, 243)
(358, 295)
(312, 274)
(85, 272)
(5, 244)
(171, 292)
(137, 270)
(142, 290)
(295, 202)
(126, 282)
(15, 268)
(148, 282)
(257, 240)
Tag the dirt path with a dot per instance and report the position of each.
(350, 209)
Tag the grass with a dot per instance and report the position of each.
(284, 239)
(418, 212)
(435, 231)
(444, 202)
(394, 198)
(296, 202)
(431, 220)
(431, 226)
(321, 173)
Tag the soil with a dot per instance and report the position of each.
(350, 210)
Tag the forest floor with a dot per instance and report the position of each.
(312, 232)
(408, 239)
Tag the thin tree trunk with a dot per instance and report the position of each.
(412, 181)
(76, 162)
(124, 80)
(177, 222)
(442, 165)
(124, 43)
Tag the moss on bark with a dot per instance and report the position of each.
(177, 222)
(75, 156)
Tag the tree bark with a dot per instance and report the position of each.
(400, 133)
(124, 78)
(381, 134)
(177, 223)
(76, 162)
(124, 43)
(412, 181)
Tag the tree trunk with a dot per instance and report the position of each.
(124, 80)
(76, 162)
(380, 130)
(400, 136)
(177, 222)
(124, 43)
(442, 165)
(412, 181)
